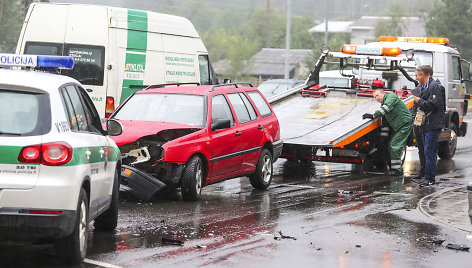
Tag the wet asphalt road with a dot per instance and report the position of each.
(300, 221)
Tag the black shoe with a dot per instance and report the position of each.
(417, 178)
(425, 182)
(394, 172)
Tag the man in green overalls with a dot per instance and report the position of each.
(399, 118)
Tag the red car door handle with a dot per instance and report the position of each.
(260, 127)
(238, 133)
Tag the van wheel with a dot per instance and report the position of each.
(262, 177)
(192, 179)
(447, 149)
(108, 220)
(72, 249)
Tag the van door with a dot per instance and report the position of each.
(456, 92)
(207, 74)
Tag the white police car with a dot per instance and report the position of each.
(58, 168)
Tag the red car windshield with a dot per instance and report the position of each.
(159, 107)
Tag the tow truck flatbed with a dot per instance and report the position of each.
(325, 121)
(325, 124)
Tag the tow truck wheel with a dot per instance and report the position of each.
(447, 149)
(109, 219)
(262, 177)
(71, 249)
(192, 179)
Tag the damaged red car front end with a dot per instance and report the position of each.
(192, 136)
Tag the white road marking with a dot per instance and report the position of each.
(101, 264)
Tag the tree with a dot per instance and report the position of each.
(239, 53)
(451, 19)
(10, 25)
(395, 26)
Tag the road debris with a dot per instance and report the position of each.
(341, 192)
(284, 237)
(458, 247)
(168, 241)
(436, 241)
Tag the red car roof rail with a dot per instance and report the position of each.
(231, 84)
(173, 84)
(138, 86)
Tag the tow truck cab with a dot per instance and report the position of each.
(449, 68)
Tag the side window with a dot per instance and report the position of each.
(260, 103)
(239, 107)
(79, 115)
(220, 109)
(204, 64)
(456, 68)
(465, 68)
(70, 110)
(252, 112)
(90, 112)
(82, 114)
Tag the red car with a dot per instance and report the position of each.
(190, 136)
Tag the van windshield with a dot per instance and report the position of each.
(88, 60)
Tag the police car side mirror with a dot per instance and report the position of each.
(114, 128)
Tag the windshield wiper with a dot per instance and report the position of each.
(10, 133)
(88, 80)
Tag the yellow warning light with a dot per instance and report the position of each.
(394, 51)
(433, 40)
(349, 49)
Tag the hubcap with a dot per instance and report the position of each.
(266, 168)
(82, 225)
(198, 177)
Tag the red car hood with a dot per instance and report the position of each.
(133, 130)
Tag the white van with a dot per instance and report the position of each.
(117, 51)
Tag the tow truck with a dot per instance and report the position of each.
(322, 123)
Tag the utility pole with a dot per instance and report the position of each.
(267, 44)
(326, 28)
(287, 42)
(2, 9)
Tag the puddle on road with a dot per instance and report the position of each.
(418, 234)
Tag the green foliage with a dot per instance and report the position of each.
(451, 19)
(10, 25)
(395, 26)
(239, 52)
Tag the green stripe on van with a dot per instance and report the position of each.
(135, 61)
(137, 30)
(127, 91)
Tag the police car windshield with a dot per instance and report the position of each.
(24, 114)
(173, 108)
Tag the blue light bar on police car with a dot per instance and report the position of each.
(62, 62)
